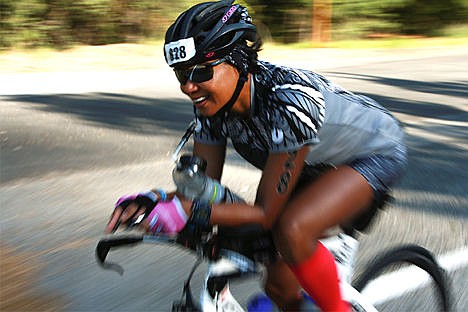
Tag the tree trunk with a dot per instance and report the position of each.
(321, 20)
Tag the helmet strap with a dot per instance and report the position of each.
(243, 77)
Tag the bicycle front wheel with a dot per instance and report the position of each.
(411, 255)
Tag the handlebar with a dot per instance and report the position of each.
(247, 243)
(106, 244)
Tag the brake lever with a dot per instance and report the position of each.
(185, 138)
(104, 245)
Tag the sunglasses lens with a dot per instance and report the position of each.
(182, 75)
(198, 73)
(202, 74)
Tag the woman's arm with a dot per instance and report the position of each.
(214, 156)
(279, 178)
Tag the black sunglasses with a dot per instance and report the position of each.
(197, 73)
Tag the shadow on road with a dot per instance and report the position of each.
(119, 111)
(417, 108)
(429, 157)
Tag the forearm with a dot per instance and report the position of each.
(238, 214)
(234, 214)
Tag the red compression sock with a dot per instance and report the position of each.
(319, 278)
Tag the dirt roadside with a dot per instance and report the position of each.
(19, 280)
(119, 57)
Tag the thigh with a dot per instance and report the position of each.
(331, 199)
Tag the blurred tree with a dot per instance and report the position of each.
(6, 12)
(61, 23)
(22, 22)
(362, 18)
(428, 17)
(286, 20)
(321, 20)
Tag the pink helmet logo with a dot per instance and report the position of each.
(229, 13)
(209, 54)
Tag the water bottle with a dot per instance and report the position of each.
(192, 182)
(262, 303)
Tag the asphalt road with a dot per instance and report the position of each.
(72, 143)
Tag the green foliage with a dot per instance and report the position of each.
(284, 20)
(61, 23)
(428, 17)
(360, 18)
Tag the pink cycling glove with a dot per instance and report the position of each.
(167, 217)
(147, 199)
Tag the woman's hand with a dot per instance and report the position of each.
(132, 209)
(167, 217)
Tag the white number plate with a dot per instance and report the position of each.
(180, 51)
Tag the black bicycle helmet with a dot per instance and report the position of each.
(207, 31)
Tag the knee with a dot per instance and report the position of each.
(294, 239)
(295, 232)
(289, 231)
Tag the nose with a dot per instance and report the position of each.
(189, 87)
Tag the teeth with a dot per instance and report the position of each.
(200, 99)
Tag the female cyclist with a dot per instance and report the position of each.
(287, 122)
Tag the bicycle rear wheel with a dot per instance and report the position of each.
(413, 255)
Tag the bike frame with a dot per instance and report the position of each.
(342, 246)
(234, 265)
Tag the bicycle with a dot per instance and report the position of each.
(240, 252)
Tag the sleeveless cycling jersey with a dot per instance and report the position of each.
(291, 108)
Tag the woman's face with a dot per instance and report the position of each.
(210, 96)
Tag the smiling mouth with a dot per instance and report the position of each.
(199, 100)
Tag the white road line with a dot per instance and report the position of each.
(395, 284)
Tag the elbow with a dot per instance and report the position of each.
(266, 217)
(267, 221)
(267, 226)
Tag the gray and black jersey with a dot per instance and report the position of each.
(291, 108)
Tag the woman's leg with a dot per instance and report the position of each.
(282, 287)
(330, 200)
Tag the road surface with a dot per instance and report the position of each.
(72, 143)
